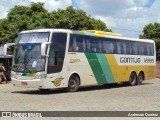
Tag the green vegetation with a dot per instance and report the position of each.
(36, 16)
(152, 31)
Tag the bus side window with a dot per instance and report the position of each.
(78, 44)
(135, 48)
(124, 47)
(108, 47)
(141, 48)
(132, 48)
(74, 43)
(84, 45)
(150, 48)
(145, 49)
(70, 49)
(128, 49)
(88, 45)
(100, 46)
(119, 50)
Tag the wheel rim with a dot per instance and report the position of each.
(132, 79)
(72, 84)
(140, 79)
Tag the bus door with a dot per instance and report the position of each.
(56, 58)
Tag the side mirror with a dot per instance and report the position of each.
(43, 48)
(6, 46)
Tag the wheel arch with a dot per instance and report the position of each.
(75, 73)
(134, 72)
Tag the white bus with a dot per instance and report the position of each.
(59, 58)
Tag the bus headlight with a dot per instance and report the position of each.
(40, 76)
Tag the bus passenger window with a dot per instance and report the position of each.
(88, 45)
(108, 47)
(119, 50)
(128, 49)
(78, 44)
(124, 47)
(150, 49)
(135, 48)
(70, 49)
(76, 48)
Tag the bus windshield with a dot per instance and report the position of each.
(27, 58)
(33, 37)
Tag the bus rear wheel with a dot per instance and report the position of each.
(140, 78)
(132, 79)
(73, 83)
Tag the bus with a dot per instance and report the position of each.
(59, 58)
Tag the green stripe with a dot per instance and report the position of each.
(100, 68)
(96, 68)
(106, 68)
(26, 74)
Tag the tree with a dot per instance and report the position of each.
(152, 31)
(36, 16)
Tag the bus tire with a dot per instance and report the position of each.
(140, 78)
(73, 83)
(132, 79)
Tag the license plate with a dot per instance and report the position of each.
(24, 83)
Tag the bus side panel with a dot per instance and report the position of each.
(100, 68)
(122, 72)
(151, 72)
(92, 68)
(117, 71)
(95, 68)
(78, 63)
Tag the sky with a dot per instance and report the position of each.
(127, 17)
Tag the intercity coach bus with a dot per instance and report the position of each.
(58, 58)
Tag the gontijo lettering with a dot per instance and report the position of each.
(130, 60)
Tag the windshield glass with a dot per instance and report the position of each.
(34, 37)
(27, 58)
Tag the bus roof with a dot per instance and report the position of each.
(46, 30)
(91, 33)
(110, 35)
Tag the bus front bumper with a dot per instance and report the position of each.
(36, 83)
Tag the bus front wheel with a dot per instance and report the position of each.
(73, 83)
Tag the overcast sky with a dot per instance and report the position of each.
(127, 17)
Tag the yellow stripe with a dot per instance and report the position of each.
(122, 73)
(33, 74)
